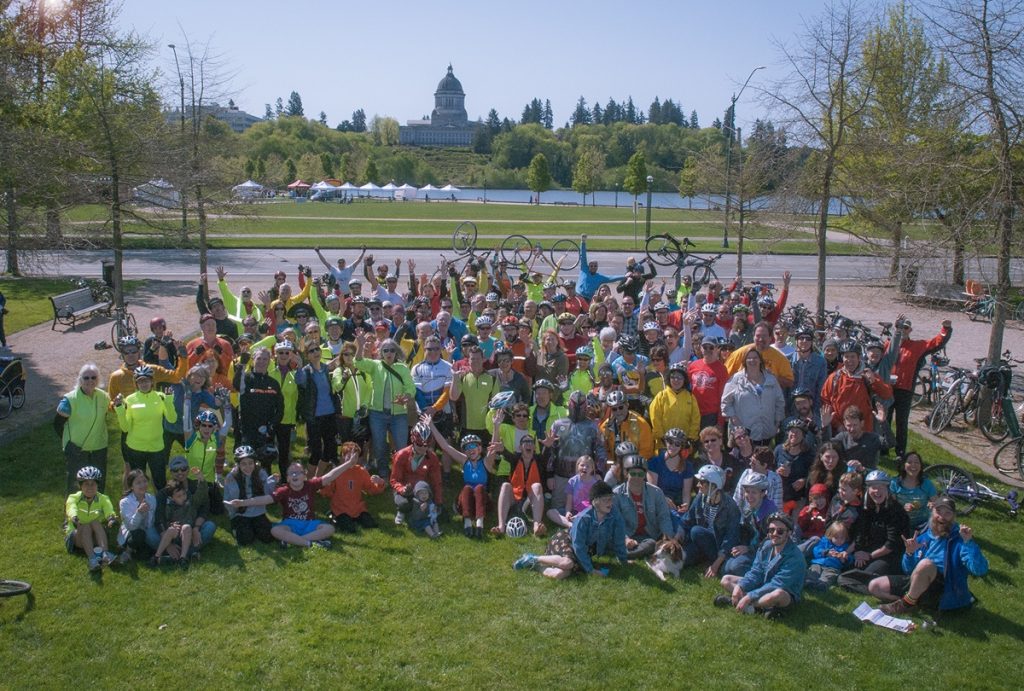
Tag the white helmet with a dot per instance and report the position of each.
(713, 475)
(516, 527)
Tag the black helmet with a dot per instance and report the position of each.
(849, 346)
(627, 342)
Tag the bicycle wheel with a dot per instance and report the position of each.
(994, 425)
(944, 411)
(516, 249)
(955, 482)
(704, 274)
(17, 396)
(1007, 459)
(1020, 458)
(565, 254)
(664, 250)
(1018, 312)
(12, 588)
(6, 401)
(464, 237)
(922, 385)
(131, 328)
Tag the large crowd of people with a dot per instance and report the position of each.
(619, 411)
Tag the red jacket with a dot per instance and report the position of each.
(346, 492)
(403, 477)
(911, 354)
(842, 390)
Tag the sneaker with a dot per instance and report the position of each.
(196, 555)
(282, 544)
(896, 608)
(125, 556)
(723, 601)
(771, 613)
(95, 562)
(527, 561)
(108, 558)
(399, 518)
(478, 533)
(468, 531)
(183, 563)
(321, 544)
(154, 561)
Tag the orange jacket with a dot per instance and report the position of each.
(346, 492)
(842, 390)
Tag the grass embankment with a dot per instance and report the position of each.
(387, 609)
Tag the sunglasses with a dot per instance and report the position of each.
(90, 377)
(311, 351)
(470, 447)
(208, 425)
(521, 415)
(636, 473)
(130, 351)
(778, 531)
(429, 348)
(673, 443)
(179, 470)
(619, 407)
(385, 351)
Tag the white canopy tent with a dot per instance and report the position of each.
(405, 191)
(348, 186)
(450, 188)
(428, 188)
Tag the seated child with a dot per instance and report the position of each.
(176, 518)
(88, 515)
(577, 493)
(423, 516)
(812, 518)
(832, 555)
(348, 508)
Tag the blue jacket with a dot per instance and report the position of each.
(785, 570)
(810, 374)
(726, 527)
(954, 559)
(588, 283)
(604, 537)
(822, 558)
(658, 518)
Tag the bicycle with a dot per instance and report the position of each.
(961, 397)
(665, 250)
(926, 383)
(519, 250)
(961, 485)
(101, 292)
(124, 325)
(1001, 417)
(982, 307)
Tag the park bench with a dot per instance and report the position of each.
(77, 304)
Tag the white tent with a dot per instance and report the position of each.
(323, 185)
(405, 191)
(450, 188)
(247, 185)
(158, 192)
(348, 186)
(428, 188)
(407, 187)
(390, 187)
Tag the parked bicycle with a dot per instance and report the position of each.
(519, 250)
(960, 398)
(1001, 418)
(12, 386)
(961, 485)
(927, 385)
(665, 250)
(124, 325)
(101, 292)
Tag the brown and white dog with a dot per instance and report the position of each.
(667, 559)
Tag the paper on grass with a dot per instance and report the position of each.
(865, 612)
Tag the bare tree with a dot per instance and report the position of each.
(984, 41)
(825, 91)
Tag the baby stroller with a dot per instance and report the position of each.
(12, 385)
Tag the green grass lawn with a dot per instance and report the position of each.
(388, 609)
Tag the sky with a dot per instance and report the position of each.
(387, 58)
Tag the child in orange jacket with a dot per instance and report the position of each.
(348, 508)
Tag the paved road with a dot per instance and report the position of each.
(242, 263)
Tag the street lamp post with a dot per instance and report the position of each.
(647, 230)
(728, 156)
(181, 90)
(617, 195)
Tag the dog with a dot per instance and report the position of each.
(667, 559)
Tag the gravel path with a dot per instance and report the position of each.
(53, 358)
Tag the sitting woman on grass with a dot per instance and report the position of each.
(597, 531)
(248, 524)
(138, 511)
(88, 514)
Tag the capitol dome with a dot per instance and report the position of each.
(449, 103)
(450, 83)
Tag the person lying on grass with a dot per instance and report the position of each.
(597, 531)
(298, 505)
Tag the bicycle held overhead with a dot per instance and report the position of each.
(665, 250)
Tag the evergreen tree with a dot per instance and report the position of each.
(294, 108)
(538, 175)
(269, 114)
(729, 123)
(694, 123)
(597, 115)
(581, 115)
(717, 124)
(231, 103)
(654, 112)
(547, 117)
(629, 114)
(359, 120)
(323, 118)
(493, 122)
(279, 107)
(612, 112)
